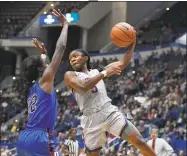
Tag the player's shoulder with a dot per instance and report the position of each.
(66, 141)
(69, 74)
(94, 70)
(161, 139)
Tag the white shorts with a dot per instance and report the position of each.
(95, 126)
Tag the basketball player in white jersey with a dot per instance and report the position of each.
(99, 115)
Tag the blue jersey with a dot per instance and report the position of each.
(35, 140)
(42, 108)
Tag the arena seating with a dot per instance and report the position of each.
(16, 15)
(166, 28)
(67, 7)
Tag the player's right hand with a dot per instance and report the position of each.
(40, 46)
(113, 70)
(58, 14)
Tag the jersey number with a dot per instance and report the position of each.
(94, 90)
(32, 103)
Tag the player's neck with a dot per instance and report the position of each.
(154, 138)
(72, 138)
(84, 70)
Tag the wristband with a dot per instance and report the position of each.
(104, 72)
(43, 56)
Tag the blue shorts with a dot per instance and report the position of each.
(34, 143)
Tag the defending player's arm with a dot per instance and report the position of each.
(72, 81)
(46, 81)
(40, 46)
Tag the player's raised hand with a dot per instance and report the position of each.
(131, 47)
(40, 46)
(58, 14)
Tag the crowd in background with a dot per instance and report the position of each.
(153, 92)
(12, 101)
(67, 7)
(164, 29)
(15, 16)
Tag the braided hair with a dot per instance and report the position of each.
(29, 73)
(85, 53)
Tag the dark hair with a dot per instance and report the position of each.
(71, 130)
(85, 53)
(29, 72)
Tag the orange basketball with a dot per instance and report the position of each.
(123, 34)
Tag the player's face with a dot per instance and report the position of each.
(73, 133)
(77, 61)
(153, 134)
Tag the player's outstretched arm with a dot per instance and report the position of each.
(39, 46)
(125, 60)
(72, 81)
(46, 81)
(42, 49)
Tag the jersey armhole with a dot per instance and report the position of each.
(45, 91)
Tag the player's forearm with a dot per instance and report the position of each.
(89, 84)
(62, 40)
(60, 47)
(127, 57)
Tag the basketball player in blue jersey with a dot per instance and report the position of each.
(38, 76)
(99, 115)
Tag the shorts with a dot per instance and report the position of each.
(34, 143)
(95, 126)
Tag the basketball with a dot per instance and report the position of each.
(123, 34)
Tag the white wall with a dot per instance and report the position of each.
(99, 34)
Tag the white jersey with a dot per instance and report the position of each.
(162, 148)
(73, 146)
(93, 99)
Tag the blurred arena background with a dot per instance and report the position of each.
(152, 88)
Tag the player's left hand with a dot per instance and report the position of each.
(131, 47)
(58, 14)
(40, 46)
(115, 64)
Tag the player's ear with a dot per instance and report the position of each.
(86, 58)
(39, 69)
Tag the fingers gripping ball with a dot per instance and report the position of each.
(123, 34)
